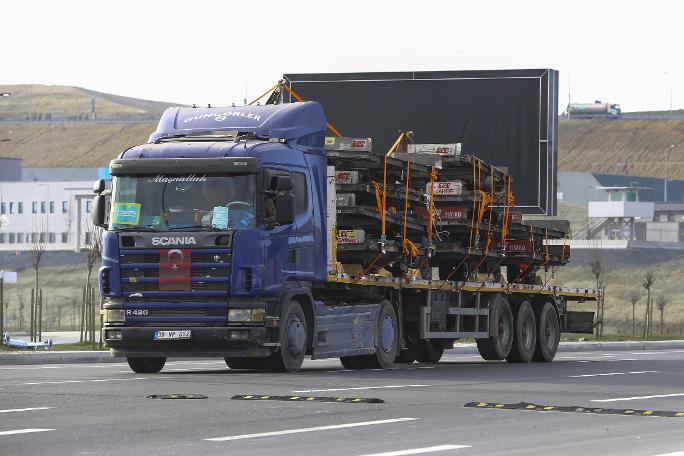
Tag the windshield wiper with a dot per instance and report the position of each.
(138, 228)
(209, 228)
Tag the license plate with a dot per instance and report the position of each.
(171, 335)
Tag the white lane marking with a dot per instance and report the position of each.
(311, 429)
(635, 398)
(656, 352)
(359, 388)
(31, 368)
(612, 373)
(24, 431)
(432, 449)
(87, 381)
(25, 409)
(676, 453)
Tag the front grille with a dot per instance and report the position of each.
(205, 304)
(140, 270)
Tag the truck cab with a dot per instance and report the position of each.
(210, 226)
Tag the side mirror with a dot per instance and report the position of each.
(284, 184)
(284, 209)
(99, 186)
(99, 209)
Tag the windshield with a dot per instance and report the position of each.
(167, 202)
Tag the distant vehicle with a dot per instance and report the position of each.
(594, 110)
(16, 343)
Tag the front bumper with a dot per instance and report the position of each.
(204, 341)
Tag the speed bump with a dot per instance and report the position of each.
(177, 396)
(349, 400)
(575, 409)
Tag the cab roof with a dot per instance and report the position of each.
(282, 121)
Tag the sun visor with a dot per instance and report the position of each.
(282, 121)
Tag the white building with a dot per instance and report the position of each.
(56, 212)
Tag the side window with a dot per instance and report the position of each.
(301, 193)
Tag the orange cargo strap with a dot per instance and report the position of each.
(277, 84)
(298, 98)
(431, 207)
(378, 201)
(472, 220)
(404, 244)
(294, 95)
(553, 272)
(383, 214)
(524, 267)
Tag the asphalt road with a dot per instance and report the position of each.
(72, 409)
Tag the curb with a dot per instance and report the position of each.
(66, 357)
(36, 357)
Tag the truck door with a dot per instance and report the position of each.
(303, 245)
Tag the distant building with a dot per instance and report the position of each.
(667, 224)
(614, 218)
(580, 188)
(56, 213)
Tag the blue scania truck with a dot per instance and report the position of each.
(231, 234)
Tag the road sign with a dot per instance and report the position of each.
(9, 276)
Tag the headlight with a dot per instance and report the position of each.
(111, 302)
(246, 315)
(114, 316)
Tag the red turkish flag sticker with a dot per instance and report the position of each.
(175, 270)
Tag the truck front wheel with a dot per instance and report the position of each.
(292, 338)
(386, 338)
(146, 365)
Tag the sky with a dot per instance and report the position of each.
(220, 52)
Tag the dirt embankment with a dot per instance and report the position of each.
(637, 147)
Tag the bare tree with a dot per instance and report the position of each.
(661, 302)
(647, 283)
(36, 250)
(93, 256)
(634, 298)
(596, 265)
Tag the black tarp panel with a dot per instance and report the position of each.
(506, 117)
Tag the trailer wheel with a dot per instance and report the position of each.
(386, 338)
(498, 345)
(292, 338)
(430, 351)
(548, 333)
(246, 363)
(524, 335)
(146, 365)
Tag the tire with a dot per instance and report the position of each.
(353, 362)
(246, 363)
(146, 365)
(430, 351)
(548, 333)
(292, 338)
(409, 354)
(386, 338)
(498, 345)
(524, 335)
